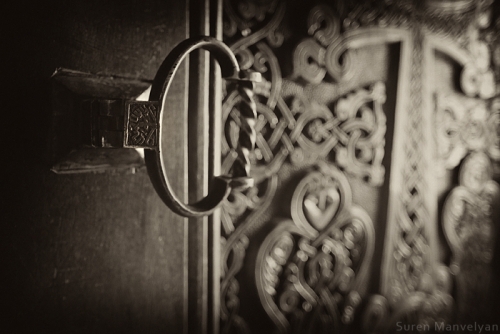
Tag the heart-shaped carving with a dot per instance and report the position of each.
(321, 207)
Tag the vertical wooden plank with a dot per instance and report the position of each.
(176, 133)
(204, 161)
(214, 227)
(198, 144)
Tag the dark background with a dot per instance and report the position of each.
(86, 253)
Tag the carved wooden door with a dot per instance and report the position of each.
(376, 198)
(377, 154)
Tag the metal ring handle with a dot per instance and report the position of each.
(222, 185)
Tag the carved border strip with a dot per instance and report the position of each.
(434, 288)
(404, 175)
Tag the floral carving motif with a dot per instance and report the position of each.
(312, 270)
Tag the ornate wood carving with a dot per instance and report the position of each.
(464, 125)
(408, 244)
(347, 126)
(431, 303)
(311, 113)
(252, 28)
(467, 138)
(312, 270)
(469, 229)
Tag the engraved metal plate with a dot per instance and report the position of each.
(142, 124)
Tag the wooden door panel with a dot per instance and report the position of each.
(351, 226)
(363, 167)
(96, 253)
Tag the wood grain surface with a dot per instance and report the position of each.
(88, 253)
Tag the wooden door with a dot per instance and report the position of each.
(374, 118)
(376, 206)
(101, 253)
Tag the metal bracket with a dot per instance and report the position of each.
(121, 123)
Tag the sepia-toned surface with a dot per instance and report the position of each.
(368, 113)
(376, 200)
(88, 253)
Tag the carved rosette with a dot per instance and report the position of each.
(465, 125)
(312, 270)
(455, 135)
